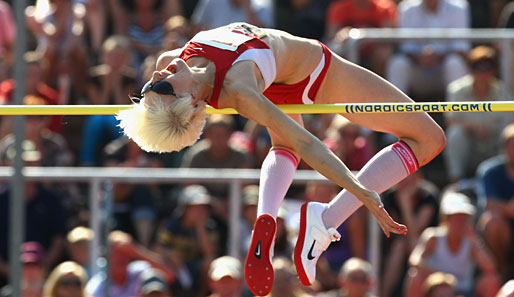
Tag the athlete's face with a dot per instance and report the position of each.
(179, 75)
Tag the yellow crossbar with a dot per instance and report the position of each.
(482, 106)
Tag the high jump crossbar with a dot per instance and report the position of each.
(343, 108)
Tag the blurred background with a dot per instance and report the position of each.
(113, 220)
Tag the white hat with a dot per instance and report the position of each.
(453, 203)
(225, 266)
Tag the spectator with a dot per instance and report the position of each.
(209, 14)
(343, 15)
(188, 239)
(454, 248)
(472, 137)
(305, 18)
(33, 271)
(52, 148)
(153, 284)
(347, 141)
(145, 29)
(286, 282)
(355, 280)
(7, 34)
(34, 85)
(421, 68)
(226, 277)
(440, 284)
(412, 201)
(108, 83)
(111, 80)
(134, 209)
(497, 223)
(58, 26)
(507, 290)
(79, 241)
(45, 214)
(127, 261)
(177, 32)
(68, 279)
(51, 145)
(216, 151)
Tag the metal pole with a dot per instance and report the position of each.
(374, 250)
(95, 223)
(17, 203)
(506, 67)
(234, 218)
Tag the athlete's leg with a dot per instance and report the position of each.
(277, 173)
(420, 137)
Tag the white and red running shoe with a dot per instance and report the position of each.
(258, 268)
(313, 240)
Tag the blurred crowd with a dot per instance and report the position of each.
(171, 239)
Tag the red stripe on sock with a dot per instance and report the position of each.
(406, 155)
(286, 154)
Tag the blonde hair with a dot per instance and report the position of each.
(63, 269)
(161, 123)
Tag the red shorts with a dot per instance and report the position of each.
(303, 92)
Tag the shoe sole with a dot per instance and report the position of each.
(258, 269)
(299, 247)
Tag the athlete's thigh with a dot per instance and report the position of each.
(349, 83)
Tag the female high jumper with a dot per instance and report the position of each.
(251, 70)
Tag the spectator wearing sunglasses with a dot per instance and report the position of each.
(472, 137)
(68, 279)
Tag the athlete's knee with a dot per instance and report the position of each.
(427, 144)
(286, 151)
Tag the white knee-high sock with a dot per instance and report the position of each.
(277, 173)
(384, 170)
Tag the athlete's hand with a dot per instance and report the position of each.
(373, 202)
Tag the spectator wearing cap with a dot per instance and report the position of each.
(188, 239)
(355, 279)
(68, 279)
(79, 240)
(33, 271)
(472, 137)
(453, 247)
(153, 284)
(439, 284)
(226, 277)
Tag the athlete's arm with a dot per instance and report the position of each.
(242, 91)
